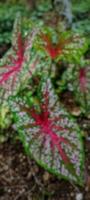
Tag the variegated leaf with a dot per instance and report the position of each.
(64, 46)
(77, 79)
(50, 135)
(81, 88)
(18, 64)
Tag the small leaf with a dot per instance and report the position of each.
(77, 79)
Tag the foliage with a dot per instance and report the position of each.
(14, 68)
(8, 13)
(76, 79)
(81, 22)
(49, 134)
(84, 6)
(5, 116)
(16, 61)
(65, 46)
(43, 6)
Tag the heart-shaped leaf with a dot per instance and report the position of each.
(18, 65)
(50, 135)
(66, 46)
(81, 88)
(77, 79)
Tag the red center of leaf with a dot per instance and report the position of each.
(48, 126)
(16, 62)
(52, 50)
(82, 79)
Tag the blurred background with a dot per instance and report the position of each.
(73, 14)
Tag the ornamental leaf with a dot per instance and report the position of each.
(66, 46)
(18, 65)
(49, 134)
(77, 79)
(81, 88)
(52, 50)
(75, 48)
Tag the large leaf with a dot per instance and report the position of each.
(49, 134)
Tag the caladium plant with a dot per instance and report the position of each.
(82, 91)
(49, 134)
(18, 64)
(66, 46)
(77, 79)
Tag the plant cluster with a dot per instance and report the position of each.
(81, 17)
(27, 95)
(7, 16)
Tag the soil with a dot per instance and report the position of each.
(22, 179)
